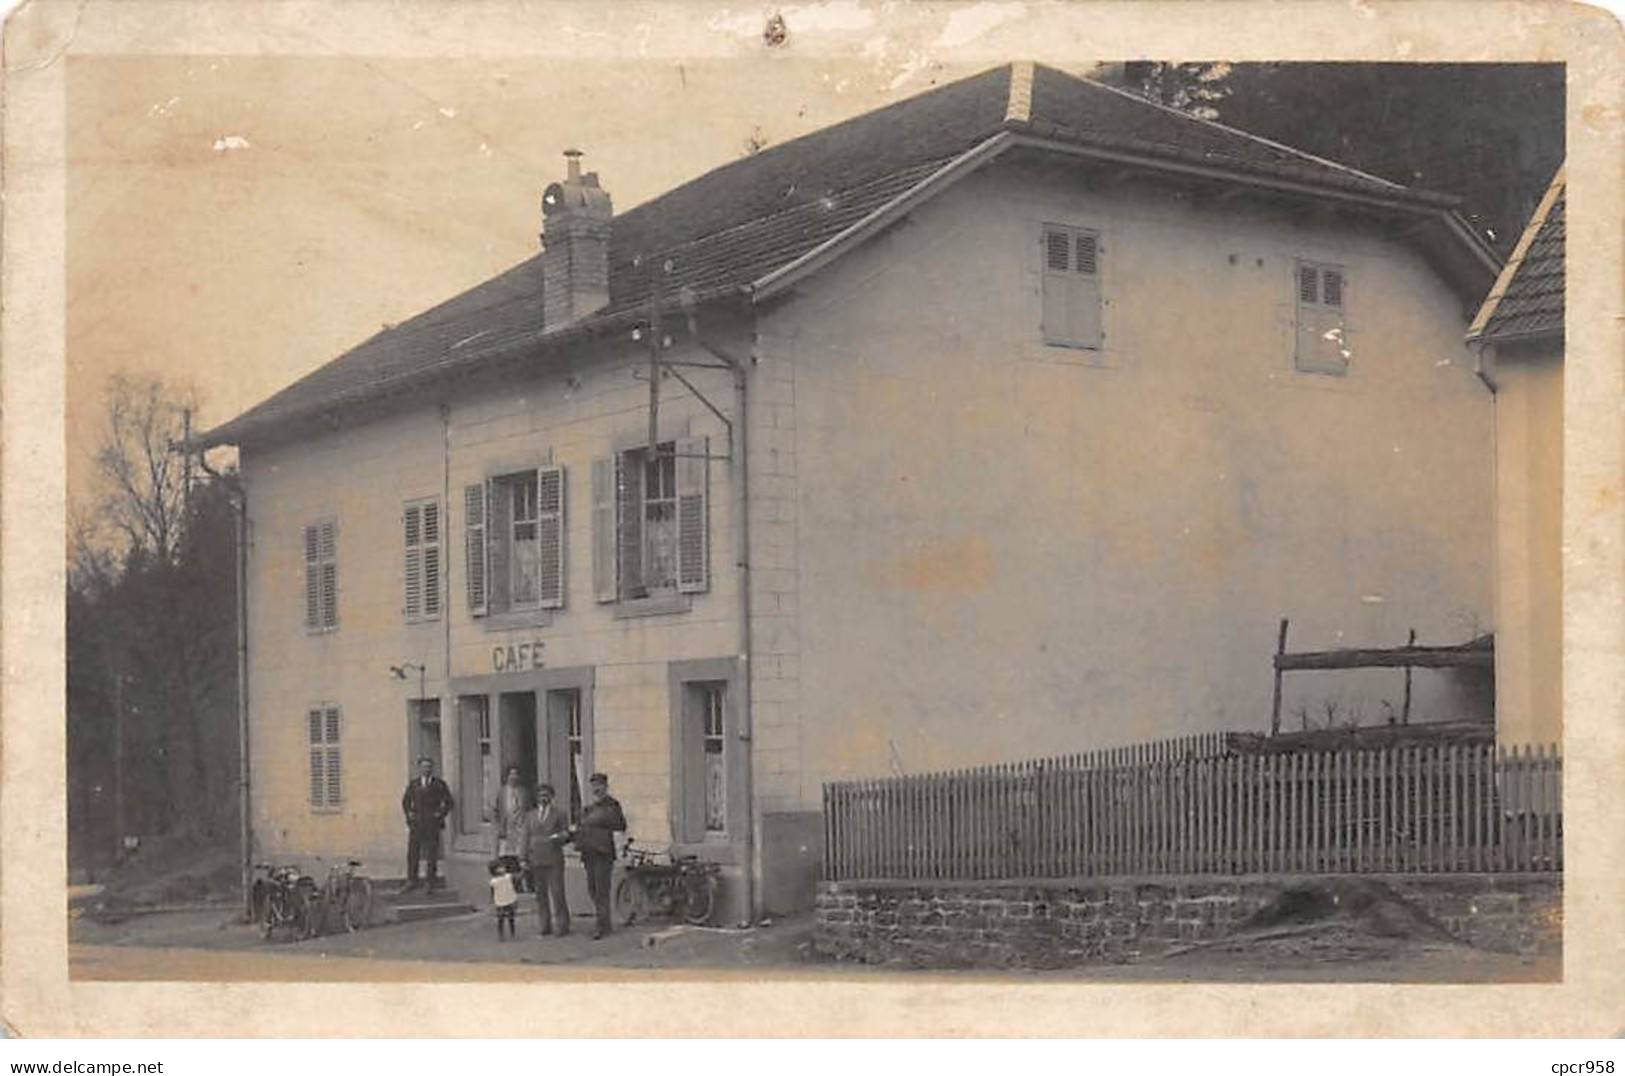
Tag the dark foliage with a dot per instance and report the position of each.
(1491, 134)
(154, 641)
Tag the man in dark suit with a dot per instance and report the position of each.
(427, 802)
(595, 840)
(546, 829)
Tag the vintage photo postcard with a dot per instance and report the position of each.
(837, 506)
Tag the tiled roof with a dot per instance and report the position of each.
(740, 222)
(1527, 299)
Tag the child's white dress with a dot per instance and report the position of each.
(502, 891)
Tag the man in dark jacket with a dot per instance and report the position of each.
(427, 802)
(595, 840)
(545, 830)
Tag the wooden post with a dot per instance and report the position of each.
(1275, 706)
(1405, 712)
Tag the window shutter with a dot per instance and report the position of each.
(431, 559)
(499, 520)
(474, 547)
(313, 583)
(330, 575)
(693, 556)
(1083, 316)
(335, 788)
(1057, 263)
(603, 530)
(550, 535)
(414, 561)
(318, 765)
(629, 523)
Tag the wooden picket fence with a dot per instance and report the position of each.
(1196, 806)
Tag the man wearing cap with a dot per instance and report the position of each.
(546, 829)
(595, 840)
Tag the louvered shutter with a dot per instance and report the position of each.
(550, 536)
(1057, 278)
(629, 524)
(499, 533)
(693, 554)
(603, 530)
(475, 566)
(313, 578)
(328, 553)
(431, 559)
(414, 561)
(318, 761)
(335, 787)
(1084, 311)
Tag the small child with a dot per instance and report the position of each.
(503, 897)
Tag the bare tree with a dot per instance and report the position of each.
(147, 479)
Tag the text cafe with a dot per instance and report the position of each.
(520, 713)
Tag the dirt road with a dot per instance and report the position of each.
(210, 946)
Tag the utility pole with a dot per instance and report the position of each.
(186, 465)
(656, 279)
(118, 758)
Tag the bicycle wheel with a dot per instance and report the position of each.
(307, 914)
(357, 904)
(627, 904)
(699, 898)
(274, 913)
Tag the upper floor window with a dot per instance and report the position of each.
(650, 525)
(1071, 286)
(514, 541)
(1322, 345)
(422, 539)
(321, 576)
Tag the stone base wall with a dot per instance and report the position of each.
(1053, 923)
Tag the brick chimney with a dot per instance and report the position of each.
(575, 246)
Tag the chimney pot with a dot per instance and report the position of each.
(572, 164)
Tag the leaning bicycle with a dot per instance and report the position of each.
(666, 884)
(346, 898)
(285, 902)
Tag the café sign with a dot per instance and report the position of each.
(517, 657)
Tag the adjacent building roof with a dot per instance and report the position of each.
(1527, 299)
(756, 219)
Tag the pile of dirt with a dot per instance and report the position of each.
(1332, 920)
(166, 872)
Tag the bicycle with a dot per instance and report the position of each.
(667, 884)
(285, 900)
(348, 894)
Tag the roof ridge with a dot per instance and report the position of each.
(1019, 105)
(1250, 136)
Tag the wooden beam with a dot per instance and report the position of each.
(1418, 657)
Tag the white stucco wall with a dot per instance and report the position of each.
(1007, 550)
(1529, 547)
